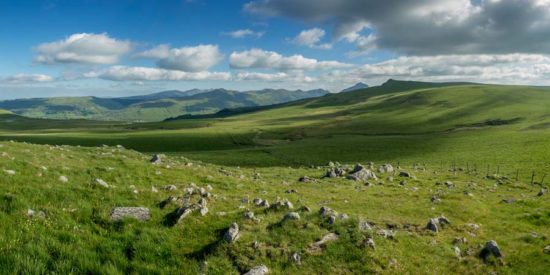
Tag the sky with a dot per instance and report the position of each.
(127, 47)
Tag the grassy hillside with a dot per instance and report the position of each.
(64, 226)
(154, 107)
(505, 127)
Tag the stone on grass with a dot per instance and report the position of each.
(364, 226)
(249, 215)
(63, 179)
(154, 189)
(305, 179)
(232, 234)
(541, 192)
(170, 188)
(369, 243)
(36, 214)
(317, 247)
(386, 168)
(546, 250)
(296, 258)
(101, 183)
(491, 249)
(203, 210)
(156, 159)
(138, 213)
(327, 211)
(457, 251)
(360, 173)
(9, 172)
(405, 174)
(258, 270)
(435, 223)
(291, 216)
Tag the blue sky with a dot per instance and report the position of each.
(125, 47)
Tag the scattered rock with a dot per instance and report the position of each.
(317, 247)
(156, 159)
(232, 234)
(541, 192)
(449, 184)
(101, 183)
(305, 209)
(387, 234)
(491, 249)
(257, 201)
(457, 251)
(203, 210)
(170, 188)
(9, 172)
(332, 220)
(405, 174)
(258, 270)
(249, 215)
(403, 182)
(291, 216)
(547, 249)
(386, 168)
(63, 179)
(435, 223)
(154, 189)
(305, 179)
(34, 214)
(334, 172)
(291, 191)
(364, 226)
(360, 173)
(138, 213)
(369, 243)
(296, 258)
(282, 204)
(326, 211)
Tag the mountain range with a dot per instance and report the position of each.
(152, 107)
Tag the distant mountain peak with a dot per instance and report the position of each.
(355, 87)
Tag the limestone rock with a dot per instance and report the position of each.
(138, 213)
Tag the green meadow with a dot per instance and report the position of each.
(491, 141)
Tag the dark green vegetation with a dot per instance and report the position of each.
(459, 132)
(153, 107)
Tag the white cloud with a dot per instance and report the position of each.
(125, 73)
(274, 77)
(506, 69)
(260, 59)
(187, 59)
(311, 38)
(83, 48)
(244, 33)
(28, 78)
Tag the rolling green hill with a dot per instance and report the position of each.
(153, 107)
(408, 122)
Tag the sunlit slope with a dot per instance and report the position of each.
(401, 121)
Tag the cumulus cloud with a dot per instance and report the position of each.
(187, 59)
(244, 33)
(260, 59)
(28, 78)
(83, 48)
(125, 73)
(426, 27)
(506, 68)
(273, 77)
(311, 38)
